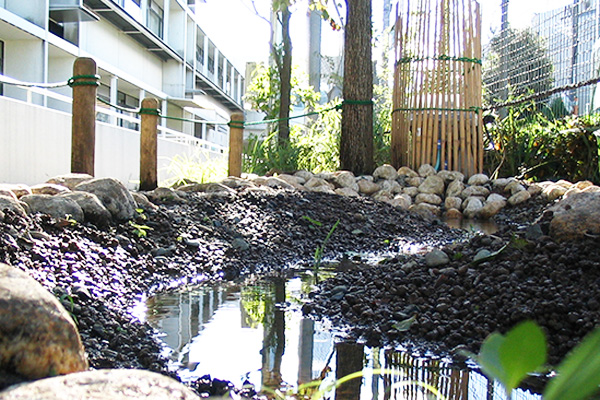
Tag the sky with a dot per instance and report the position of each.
(242, 36)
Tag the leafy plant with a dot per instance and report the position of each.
(320, 250)
(510, 358)
(200, 167)
(140, 230)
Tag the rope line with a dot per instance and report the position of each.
(443, 57)
(15, 82)
(470, 109)
(547, 93)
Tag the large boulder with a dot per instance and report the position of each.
(92, 207)
(346, 179)
(37, 336)
(49, 188)
(576, 216)
(9, 202)
(111, 384)
(113, 195)
(55, 206)
(70, 180)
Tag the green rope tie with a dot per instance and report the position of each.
(149, 111)
(443, 57)
(236, 124)
(72, 81)
(470, 109)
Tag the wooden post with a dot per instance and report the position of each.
(236, 138)
(83, 124)
(149, 115)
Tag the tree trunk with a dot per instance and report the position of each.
(356, 144)
(285, 74)
(349, 359)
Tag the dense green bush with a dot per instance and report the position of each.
(529, 144)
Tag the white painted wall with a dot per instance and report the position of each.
(36, 145)
(104, 42)
(31, 10)
(23, 61)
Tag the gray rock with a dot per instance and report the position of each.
(449, 176)
(367, 187)
(472, 208)
(403, 201)
(436, 258)
(212, 188)
(37, 336)
(478, 179)
(7, 193)
(17, 189)
(240, 244)
(501, 183)
(576, 216)
(346, 179)
(93, 209)
(383, 195)
(426, 210)
(9, 202)
(514, 187)
(49, 188)
(111, 384)
(386, 172)
(519, 198)
(432, 184)
(295, 181)
(55, 206)
(428, 198)
(426, 170)
(481, 254)
(390, 186)
(412, 191)
(306, 175)
(234, 182)
(406, 171)
(313, 183)
(164, 194)
(70, 180)
(455, 188)
(346, 191)
(416, 181)
(453, 214)
(491, 208)
(278, 183)
(141, 201)
(453, 202)
(113, 195)
(470, 191)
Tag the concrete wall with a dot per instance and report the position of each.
(36, 145)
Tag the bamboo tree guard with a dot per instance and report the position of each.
(437, 86)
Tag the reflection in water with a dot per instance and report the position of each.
(256, 333)
(487, 227)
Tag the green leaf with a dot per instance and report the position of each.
(523, 351)
(489, 357)
(405, 324)
(511, 357)
(579, 374)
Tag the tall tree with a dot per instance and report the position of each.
(356, 143)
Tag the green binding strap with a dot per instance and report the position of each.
(73, 80)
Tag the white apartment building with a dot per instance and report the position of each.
(143, 48)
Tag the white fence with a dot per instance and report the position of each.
(35, 144)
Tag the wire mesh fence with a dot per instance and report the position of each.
(555, 60)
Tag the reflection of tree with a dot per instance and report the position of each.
(349, 359)
(274, 335)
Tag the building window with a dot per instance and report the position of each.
(125, 100)
(211, 63)
(155, 18)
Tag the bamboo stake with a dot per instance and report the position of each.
(458, 93)
(469, 83)
(395, 139)
(425, 134)
(406, 133)
(442, 69)
(428, 88)
(402, 89)
(413, 98)
(477, 30)
(436, 91)
(417, 128)
(473, 96)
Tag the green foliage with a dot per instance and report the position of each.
(314, 147)
(530, 145)
(140, 230)
(200, 167)
(510, 358)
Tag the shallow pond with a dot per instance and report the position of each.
(256, 334)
